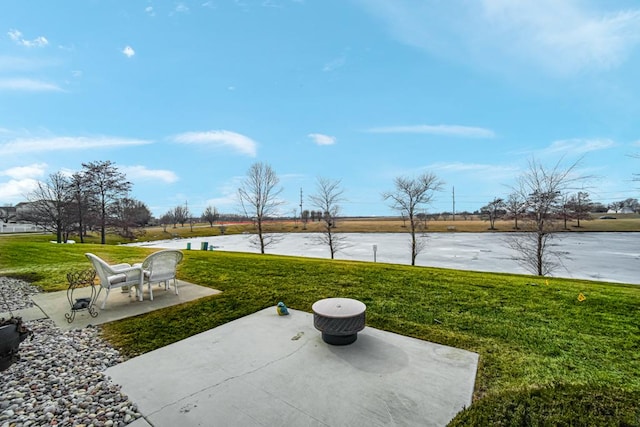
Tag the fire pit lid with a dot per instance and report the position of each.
(338, 307)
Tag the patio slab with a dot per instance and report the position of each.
(265, 369)
(119, 305)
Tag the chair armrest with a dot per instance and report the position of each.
(120, 266)
(130, 272)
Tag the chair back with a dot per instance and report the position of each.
(162, 265)
(102, 268)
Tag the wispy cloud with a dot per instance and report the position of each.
(35, 170)
(149, 11)
(128, 51)
(471, 167)
(181, 8)
(334, 64)
(17, 63)
(142, 173)
(16, 36)
(322, 139)
(271, 3)
(28, 85)
(220, 138)
(62, 143)
(444, 130)
(578, 146)
(456, 171)
(576, 36)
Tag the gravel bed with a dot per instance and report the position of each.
(59, 379)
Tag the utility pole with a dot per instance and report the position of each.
(304, 223)
(453, 194)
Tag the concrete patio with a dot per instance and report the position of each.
(54, 305)
(265, 369)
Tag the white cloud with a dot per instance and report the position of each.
(569, 39)
(28, 85)
(29, 145)
(149, 10)
(445, 130)
(334, 64)
(321, 139)
(23, 172)
(22, 181)
(142, 173)
(16, 36)
(561, 38)
(217, 138)
(181, 8)
(14, 191)
(128, 51)
(578, 146)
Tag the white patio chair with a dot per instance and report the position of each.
(116, 276)
(160, 267)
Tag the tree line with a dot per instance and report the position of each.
(567, 207)
(97, 197)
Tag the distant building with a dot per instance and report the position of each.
(624, 210)
(10, 221)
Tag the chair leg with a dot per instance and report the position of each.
(104, 302)
(150, 291)
(175, 285)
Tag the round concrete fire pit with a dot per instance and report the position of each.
(339, 319)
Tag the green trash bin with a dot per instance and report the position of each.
(204, 246)
(189, 246)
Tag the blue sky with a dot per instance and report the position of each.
(185, 96)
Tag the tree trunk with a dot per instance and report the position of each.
(539, 254)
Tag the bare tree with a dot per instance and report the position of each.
(130, 216)
(80, 192)
(327, 198)
(492, 211)
(409, 195)
(107, 185)
(542, 188)
(49, 206)
(258, 196)
(564, 209)
(515, 207)
(210, 215)
(180, 215)
(166, 219)
(580, 206)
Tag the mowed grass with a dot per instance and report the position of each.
(530, 332)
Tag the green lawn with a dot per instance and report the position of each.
(531, 333)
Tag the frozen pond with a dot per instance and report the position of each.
(613, 257)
